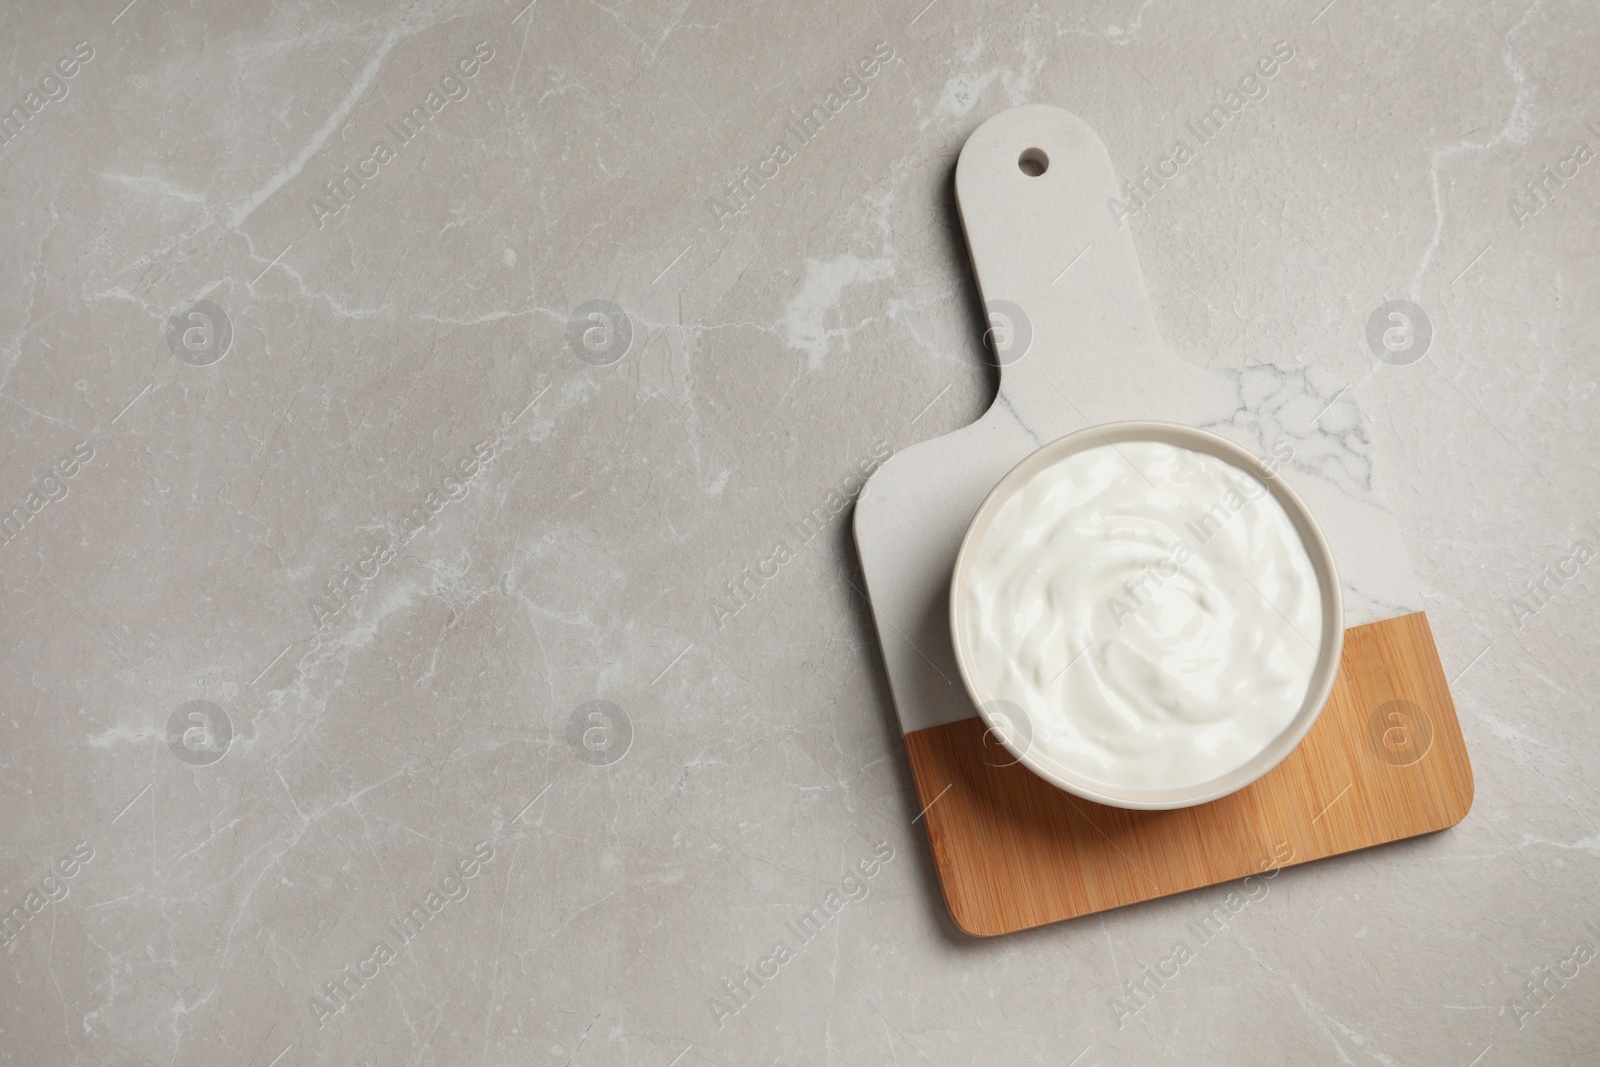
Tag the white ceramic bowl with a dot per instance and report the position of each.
(1015, 735)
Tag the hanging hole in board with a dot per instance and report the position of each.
(1033, 162)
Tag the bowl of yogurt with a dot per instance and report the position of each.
(1146, 615)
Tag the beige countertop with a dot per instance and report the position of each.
(431, 631)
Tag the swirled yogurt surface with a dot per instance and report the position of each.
(1151, 610)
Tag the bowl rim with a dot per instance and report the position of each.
(1179, 435)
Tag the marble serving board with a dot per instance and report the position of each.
(1075, 336)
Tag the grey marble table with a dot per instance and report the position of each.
(428, 436)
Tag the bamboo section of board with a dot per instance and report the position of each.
(1385, 761)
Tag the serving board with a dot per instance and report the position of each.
(1075, 337)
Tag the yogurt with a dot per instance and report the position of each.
(1150, 609)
